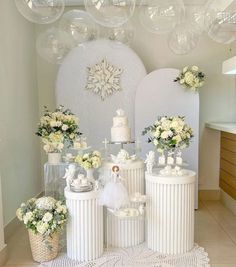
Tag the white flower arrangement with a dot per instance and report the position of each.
(44, 216)
(92, 160)
(169, 133)
(58, 129)
(191, 78)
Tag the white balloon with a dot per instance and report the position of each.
(220, 21)
(183, 39)
(54, 44)
(110, 13)
(123, 34)
(41, 11)
(161, 16)
(79, 25)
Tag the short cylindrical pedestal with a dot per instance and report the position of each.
(128, 232)
(124, 232)
(170, 212)
(85, 226)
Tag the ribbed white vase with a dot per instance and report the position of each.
(170, 212)
(85, 226)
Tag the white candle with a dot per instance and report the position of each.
(179, 161)
(170, 160)
(162, 160)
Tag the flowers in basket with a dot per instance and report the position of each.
(169, 133)
(191, 78)
(57, 129)
(92, 160)
(44, 218)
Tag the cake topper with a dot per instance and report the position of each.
(120, 113)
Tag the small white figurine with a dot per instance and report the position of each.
(150, 161)
(69, 175)
(122, 157)
(80, 181)
(114, 194)
(162, 159)
(141, 209)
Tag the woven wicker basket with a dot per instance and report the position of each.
(40, 250)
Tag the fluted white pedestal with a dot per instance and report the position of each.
(170, 212)
(125, 233)
(85, 226)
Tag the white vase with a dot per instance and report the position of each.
(54, 158)
(90, 174)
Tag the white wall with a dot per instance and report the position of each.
(19, 157)
(217, 98)
(2, 243)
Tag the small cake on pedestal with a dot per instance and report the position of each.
(120, 131)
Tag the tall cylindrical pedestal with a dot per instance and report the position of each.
(127, 232)
(85, 226)
(170, 212)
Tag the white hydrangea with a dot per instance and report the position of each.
(45, 203)
(47, 217)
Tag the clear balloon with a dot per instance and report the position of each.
(110, 13)
(220, 21)
(123, 34)
(161, 16)
(54, 44)
(195, 14)
(79, 25)
(41, 11)
(183, 39)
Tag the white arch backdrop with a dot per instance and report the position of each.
(158, 95)
(96, 115)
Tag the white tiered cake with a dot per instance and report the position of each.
(120, 131)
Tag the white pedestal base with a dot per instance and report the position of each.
(85, 226)
(170, 213)
(124, 233)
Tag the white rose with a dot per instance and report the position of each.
(185, 69)
(64, 127)
(181, 81)
(155, 142)
(164, 135)
(19, 214)
(42, 227)
(156, 133)
(47, 217)
(177, 138)
(53, 123)
(195, 68)
(28, 217)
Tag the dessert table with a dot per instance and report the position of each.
(170, 212)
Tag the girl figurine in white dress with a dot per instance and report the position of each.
(115, 194)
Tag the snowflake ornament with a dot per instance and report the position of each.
(104, 79)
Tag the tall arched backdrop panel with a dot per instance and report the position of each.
(158, 95)
(96, 114)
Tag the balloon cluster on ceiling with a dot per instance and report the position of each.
(184, 25)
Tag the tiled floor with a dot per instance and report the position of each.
(215, 230)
